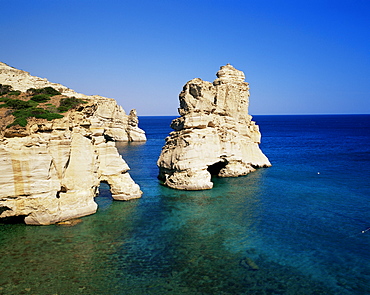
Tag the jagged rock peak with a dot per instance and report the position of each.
(214, 135)
(228, 74)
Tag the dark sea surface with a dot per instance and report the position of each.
(298, 227)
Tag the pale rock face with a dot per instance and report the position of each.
(104, 115)
(50, 171)
(113, 170)
(134, 132)
(53, 177)
(215, 135)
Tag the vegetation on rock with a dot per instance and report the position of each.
(46, 90)
(41, 97)
(17, 104)
(68, 103)
(28, 106)
(15, 92)
(4, 89)
(22, 115)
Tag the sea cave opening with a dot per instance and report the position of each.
(108, 137)
(104, 190)
(104, 197)
(13, 219)
(215, 168)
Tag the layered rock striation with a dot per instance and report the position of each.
(50, 171)
(215, 135)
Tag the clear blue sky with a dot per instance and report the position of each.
(300, 57)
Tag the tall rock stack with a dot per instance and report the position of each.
(215, 135)
(50, 171)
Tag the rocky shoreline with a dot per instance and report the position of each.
(52, 166)
(57, 145)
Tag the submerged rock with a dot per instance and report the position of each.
(50, 171)
(71, 222)
(215, 135)
(248, 263)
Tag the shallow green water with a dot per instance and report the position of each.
(176, 243)
(280, 230)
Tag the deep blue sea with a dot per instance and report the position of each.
(301, 226)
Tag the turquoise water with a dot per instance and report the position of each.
(298, 227)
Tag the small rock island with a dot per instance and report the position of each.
(56, 147)
(215, 135)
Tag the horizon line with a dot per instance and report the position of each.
(297, 114)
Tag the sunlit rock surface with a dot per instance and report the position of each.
(215, 135)
(50, 171)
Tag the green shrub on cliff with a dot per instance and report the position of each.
(24, 109)
(15, 93)
(21, 115)
(17, 104)
(4, 89)
(19, 121)
(42, 114)
(41, 97)
(68, 103)
(46, 90)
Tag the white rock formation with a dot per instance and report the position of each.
(214, 135)
(108, 116)
(50, 171)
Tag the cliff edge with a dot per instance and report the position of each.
(57, 146)
(215, 135)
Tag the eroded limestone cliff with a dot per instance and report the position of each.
(215, 135)
(50, 169)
